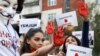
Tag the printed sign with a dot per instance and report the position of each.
(74, 50)
(26, 24)
(78, 34)
(65, 19)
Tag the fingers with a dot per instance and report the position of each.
(58, 36)
(60, 29)
(82, 8)
(50, 27)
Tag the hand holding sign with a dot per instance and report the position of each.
(50, 27)
(58, 36)
(82, 8)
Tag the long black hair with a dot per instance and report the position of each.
(64, 49)
(26, 47)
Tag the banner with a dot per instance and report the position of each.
(26, 24)
(65, 19)
(74, 50)
(78, 34)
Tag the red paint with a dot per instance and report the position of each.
(50, 27)
(66, 20)
(82, 8)
(58, 36)
(76, 54)
(32, 50)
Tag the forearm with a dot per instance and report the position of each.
(41, 51)
(44, 50)
(85, 38)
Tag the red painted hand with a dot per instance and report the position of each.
(82, 8)
(58, 36)
(50, 27)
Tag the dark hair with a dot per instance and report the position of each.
(20, 6)
(26, 47)
(64, 49)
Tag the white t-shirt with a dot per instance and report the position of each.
(9, 34)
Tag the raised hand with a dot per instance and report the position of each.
(58, 36)
(50, 27)
(82, 9)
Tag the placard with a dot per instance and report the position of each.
(74, 50)
(69, 18)
(26, 24)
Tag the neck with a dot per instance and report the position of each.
(32, 50)
(4, 21)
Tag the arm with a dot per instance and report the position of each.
(85, 31)
(84, 12)
(41, 51)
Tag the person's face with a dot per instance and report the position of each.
(71, 40)
(8, 8)
(36, 41)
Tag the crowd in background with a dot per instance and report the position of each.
(34, 42)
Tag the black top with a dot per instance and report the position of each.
(16, 28)
(85, 32)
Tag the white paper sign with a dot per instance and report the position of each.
(26, 24)
(74, 50)
(65, 19)
(78, 34)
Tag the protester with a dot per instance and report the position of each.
(83, 11)
(70, 39)
(32, 40)
(33, 43)
(8, 37)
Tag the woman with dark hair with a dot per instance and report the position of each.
(33, 44)
(70, 40)
(33, 40)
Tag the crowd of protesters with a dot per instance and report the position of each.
(34, 43)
